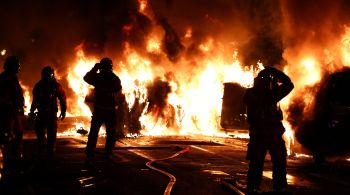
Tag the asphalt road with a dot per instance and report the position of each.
(162, 165)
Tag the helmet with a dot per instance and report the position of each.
(12, 64)
(265, 80)
(47, 73)
(106, 64)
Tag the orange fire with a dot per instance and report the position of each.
(27, 97)
(81, 89)
(194, 104)
(3, 52)
(143, 5)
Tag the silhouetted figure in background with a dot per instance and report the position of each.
(107, 93)
(45, 95)
(266, 128)
(11, 113)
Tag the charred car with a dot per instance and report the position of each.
(326, 133)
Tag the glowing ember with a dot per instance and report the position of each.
(297, 155)
(3, 52)
(143, 5)
(188, 33)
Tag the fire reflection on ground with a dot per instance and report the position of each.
(1, 161)
(292, 180)
(216, 172)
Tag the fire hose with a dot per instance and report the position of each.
(172, 177)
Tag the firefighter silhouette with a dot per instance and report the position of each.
(266, 128)
(107, 97)
(45, 94)
(11, 113)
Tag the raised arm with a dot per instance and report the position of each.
(284, 86)
(90, 77)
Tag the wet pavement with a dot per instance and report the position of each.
(161, 165)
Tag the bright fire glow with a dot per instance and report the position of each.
(188, 33)
(3, 52)
(27, 97)
(143, 5)
(81, 89)
(345, 47)
(153, 46)
(297, 155)
(73, 131)
(194, 104)
(311, 71)
(288, 137)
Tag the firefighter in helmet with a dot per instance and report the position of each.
(107, 93)
(266, 128)
(11, 113)
(45, 94)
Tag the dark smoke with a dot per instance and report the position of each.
(158, 92)
(171, 43)
(265, 44)
(47, 32)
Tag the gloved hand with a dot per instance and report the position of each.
(97, 66)
(62, 115)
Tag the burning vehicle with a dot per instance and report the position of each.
(325, 133)
(233, 112)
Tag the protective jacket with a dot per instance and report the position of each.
(107, 88)
(263, 110)
(11, 94)
(45, 94)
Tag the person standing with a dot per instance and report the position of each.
(107, 93)
(11, 114)
(45, 94)
(266, 128)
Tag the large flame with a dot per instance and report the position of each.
(27, 97)
(80, 88)
(194, 103)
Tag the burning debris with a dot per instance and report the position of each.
(82, 131)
